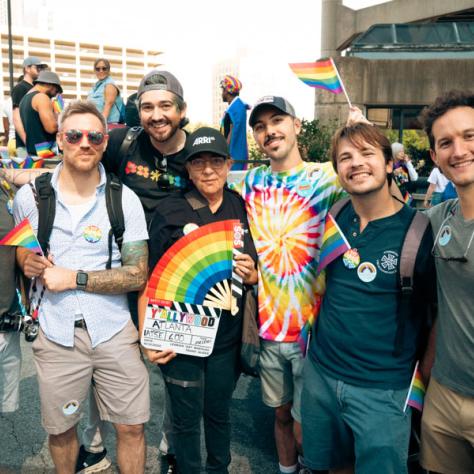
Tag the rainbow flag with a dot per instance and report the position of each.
(45, 149)
(31, 164)
(416, 392)
(407, 198)
(23, 236)
(334, 243)
(58, 103)
(322, 74)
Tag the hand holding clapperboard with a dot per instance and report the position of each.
(188, 289)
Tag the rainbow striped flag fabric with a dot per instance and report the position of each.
(22, 235)
(334, 243)
(416, 392)
(45, 149)
(321, 74)
(58, 103)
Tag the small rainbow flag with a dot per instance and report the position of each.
(334, 243)
(321, 73)
(416, 392)
(45, 149)
(22, 235)
(407, 198)
(58, 103)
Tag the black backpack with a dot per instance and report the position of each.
(46, 202)
(406, 269)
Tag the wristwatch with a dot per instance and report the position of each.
(81, 280)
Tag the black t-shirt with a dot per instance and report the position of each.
(167, 227)
(132, 118)
(227, 122)
(140, 170)
(18, 92)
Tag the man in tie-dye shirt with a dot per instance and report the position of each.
(287, 203)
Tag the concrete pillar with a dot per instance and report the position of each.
(329, 27)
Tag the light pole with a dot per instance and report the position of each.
(10, 45)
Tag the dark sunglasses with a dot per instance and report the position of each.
(164, 179)
(98, 68)
(94, 137)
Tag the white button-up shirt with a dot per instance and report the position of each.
(83, 248)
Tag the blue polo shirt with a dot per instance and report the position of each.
(84, 247)
(354, 335)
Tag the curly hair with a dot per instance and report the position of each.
(442, 104)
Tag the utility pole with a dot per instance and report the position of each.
(10, 45)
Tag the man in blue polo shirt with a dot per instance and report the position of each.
(86, 335)
(364, 350)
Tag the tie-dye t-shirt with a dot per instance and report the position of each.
(286, 214)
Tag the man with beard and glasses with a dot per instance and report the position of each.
(150, 160)
(37, 113)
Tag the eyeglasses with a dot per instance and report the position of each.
(444, 235)
(200, 164)
(41, 67)
(75, 136)
(98, 68)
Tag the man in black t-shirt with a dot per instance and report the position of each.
(153, 165)
(32, 66)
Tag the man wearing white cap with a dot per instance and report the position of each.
(32, 66)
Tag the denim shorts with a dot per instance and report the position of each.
(281, 370)
(344, 424)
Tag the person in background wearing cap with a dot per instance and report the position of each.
(37, 113)
(234, 122)
(286, 203)
(202, 386)
(404, 172)
(32, 66)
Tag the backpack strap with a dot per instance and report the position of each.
(410, 247)
(113, 202)
(338, 206)
(199, 204)
(46, 201)
(130, 137)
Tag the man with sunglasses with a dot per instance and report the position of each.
(32, 66)
(447, 442)
(83, 312)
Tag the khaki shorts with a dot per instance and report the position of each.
(447, 431)
(281, 374)
(115, 369)
(10, 365)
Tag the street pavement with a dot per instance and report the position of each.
(24, 448)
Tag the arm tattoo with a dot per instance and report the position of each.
(131, 276)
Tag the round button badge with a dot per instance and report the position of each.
(92, 234)
(366, 272)
(445, 236)
(188, 228)
(351, 259)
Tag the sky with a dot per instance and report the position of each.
(194, 35)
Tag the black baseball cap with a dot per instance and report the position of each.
(206, 140)
(162, 81)
(271, 101)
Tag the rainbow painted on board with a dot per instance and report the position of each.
(22, 235)
(45, 149)
(321, 74)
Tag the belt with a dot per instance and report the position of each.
(80, 323)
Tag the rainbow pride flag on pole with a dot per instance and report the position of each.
(23, 236)
(416, 392)
(334, 243)
(322, 74)
(58, 103)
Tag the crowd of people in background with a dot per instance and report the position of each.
(338, 345)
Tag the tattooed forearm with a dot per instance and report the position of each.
(131, 276)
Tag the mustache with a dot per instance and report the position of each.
(160, 122)
(268, 139)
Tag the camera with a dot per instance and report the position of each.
(17, 322)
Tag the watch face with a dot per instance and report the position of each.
(81, 279)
